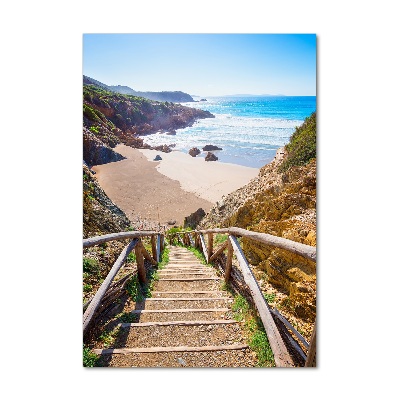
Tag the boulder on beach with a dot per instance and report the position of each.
(211, 147)
(211, 157)
(165, 148)
(157, 158)
(171, 132)
(194, 151)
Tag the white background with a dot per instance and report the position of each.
(41, 217)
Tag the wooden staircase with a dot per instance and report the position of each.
(186, 323)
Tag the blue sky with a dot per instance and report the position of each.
(204, 64)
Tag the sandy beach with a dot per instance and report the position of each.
(209, 180)
(170, 189)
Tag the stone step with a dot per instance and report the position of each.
(200, 359)
(198, 285)
(178, 335)
(199, 293)
(181, 315)
(127, 350)
(187, 298)
(190, 279)
(173, 275)
(193, 303)
(186, 323)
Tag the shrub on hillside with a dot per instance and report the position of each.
(303, 144)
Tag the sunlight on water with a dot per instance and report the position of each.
(249, 130)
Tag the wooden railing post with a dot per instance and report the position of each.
(203, 245)
(210, 246)
(192, 242)
(140, 263)
(154, 247)
(148, 257)
(162, 242)
(311, 360)
(158, 247)
(228, 267)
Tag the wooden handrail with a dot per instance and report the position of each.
(94, 304)
(116, 236)
(140, 252)
(300, 249)
(281, 353)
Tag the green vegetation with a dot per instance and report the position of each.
(136, 290)
(108, 336)
(90, 265)
(254, 329)
(199, 254)
(303, 144)
(87, 287)
(131, 257)
(128, 317)
(89, 358)
(94, 129)
(220, 238)
(270, 297)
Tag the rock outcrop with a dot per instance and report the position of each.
(193, 219)
(211, 157)
(194, 151)
(96, 152)
(211, 147)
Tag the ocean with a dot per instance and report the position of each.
(248, 129)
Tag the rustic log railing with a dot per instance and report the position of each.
(278, 345)
(136, 246)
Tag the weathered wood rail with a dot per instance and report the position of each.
(278, 345)
(136, 246)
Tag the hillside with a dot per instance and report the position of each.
(100, 216)
(172, 96)
(111, 118)
(281, 201)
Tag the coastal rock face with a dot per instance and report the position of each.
(211, 157)
(95, 152)
(194, 151)
(193, 219)
(137, 115)
(211, 147)
(115, 118)
(281, 203)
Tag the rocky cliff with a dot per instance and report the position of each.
(281, 201)
(113, 118)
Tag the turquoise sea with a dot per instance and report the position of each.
(248, 129)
